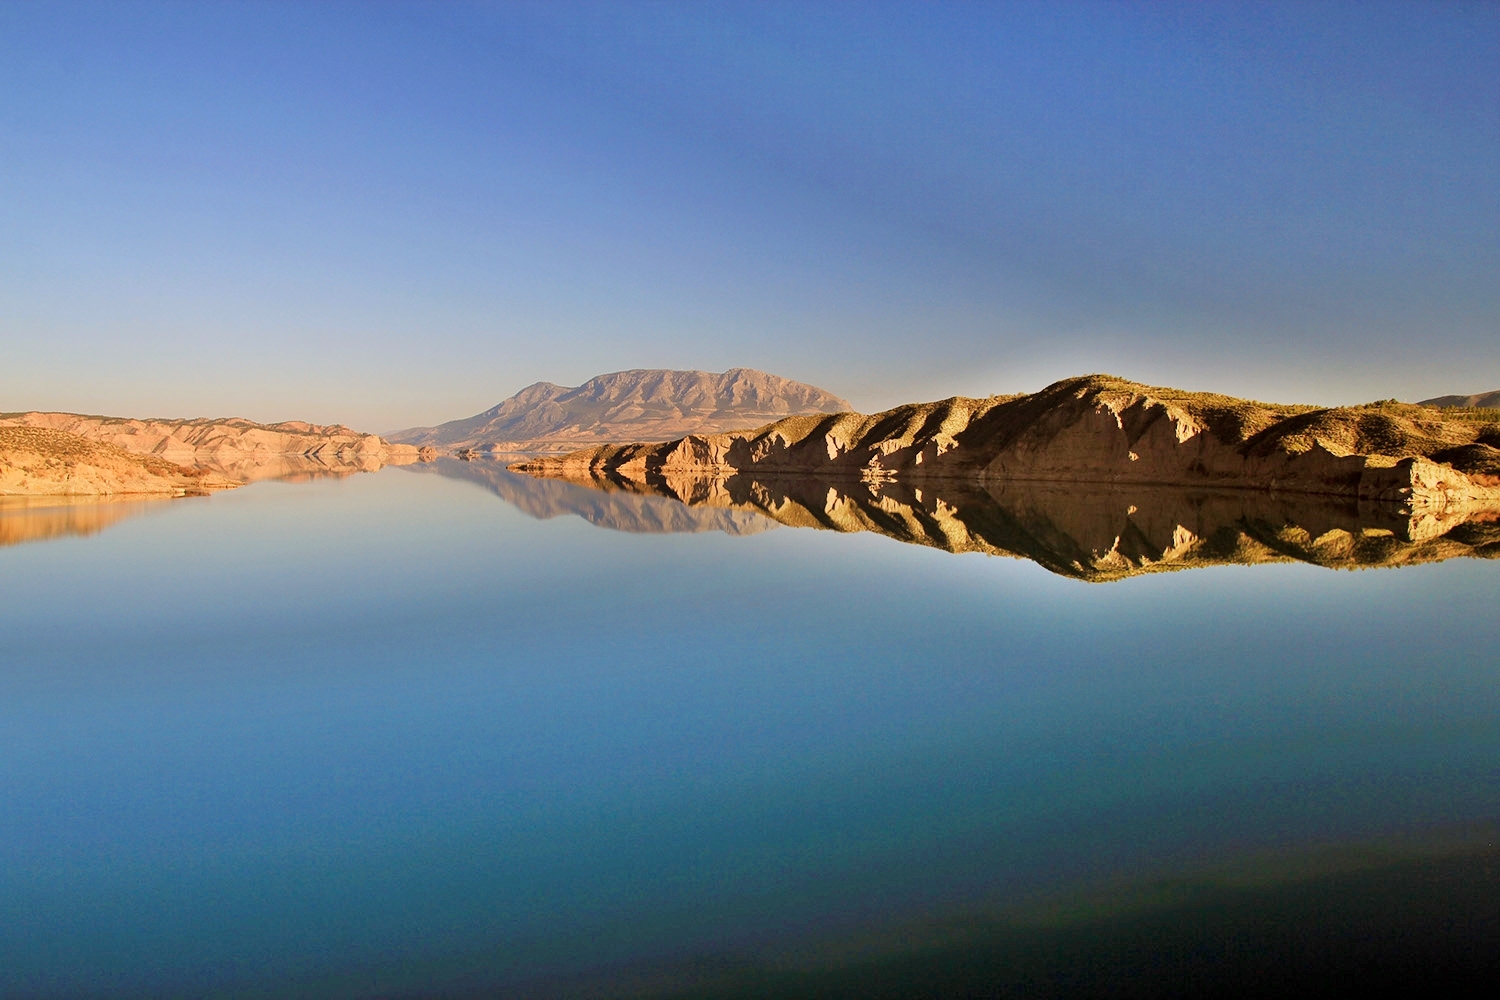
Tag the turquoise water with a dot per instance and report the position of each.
(391, 735)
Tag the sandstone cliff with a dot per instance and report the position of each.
(1096, 429)
(637, 405)
(40, 461)
(233, 448)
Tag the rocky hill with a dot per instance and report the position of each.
(637, 405)
(1482, 400)
(1094, 429)
(40, 461)
(233, 448)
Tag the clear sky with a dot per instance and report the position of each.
(397, 214)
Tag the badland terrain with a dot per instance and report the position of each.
(73, 454)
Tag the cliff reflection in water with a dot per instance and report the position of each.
(41, 519)
(618, 510)
(1096, 533)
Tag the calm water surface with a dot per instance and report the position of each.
(391, 735)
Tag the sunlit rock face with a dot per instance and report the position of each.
(235, 450)
(39, 461)
(1102, 430)
(639, 405)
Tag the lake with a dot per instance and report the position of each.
(443, 731)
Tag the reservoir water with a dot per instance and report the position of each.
(395, 735)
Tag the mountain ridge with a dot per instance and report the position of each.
(234, 449)
(1480, 400)
(635, 404)
(1095, 429)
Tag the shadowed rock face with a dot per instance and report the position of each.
(639, 405)
(1102, 533)
(614, 509)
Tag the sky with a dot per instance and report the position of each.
(389, 214)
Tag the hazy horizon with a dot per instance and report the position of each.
(394, 215)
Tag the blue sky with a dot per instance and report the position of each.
(396, 214)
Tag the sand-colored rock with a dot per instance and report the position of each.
(40, 461)
(1101, 430)
(233, 448)
(648, 404)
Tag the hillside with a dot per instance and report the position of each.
(1482, 400)
(1094, 429)
(40, 461)
(234, 448)
(636, 405)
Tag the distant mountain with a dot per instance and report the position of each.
(1487, 400)
(643, 404)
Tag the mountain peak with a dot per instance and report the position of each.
(636, 404)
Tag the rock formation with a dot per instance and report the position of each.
(1481, 400)
(40, 461)
(235, 449)
(637, 405)
(1096, 429)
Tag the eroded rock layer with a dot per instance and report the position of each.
(234, 449)
(40, 461)
(1102, 430)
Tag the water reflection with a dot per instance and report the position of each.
(617, 510)
(40, 519)
(1098, 534)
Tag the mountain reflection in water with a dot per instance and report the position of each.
(619, 511)
(1097, 533)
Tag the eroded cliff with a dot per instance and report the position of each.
(234, 449)
(40, 461)
(1101, 430)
